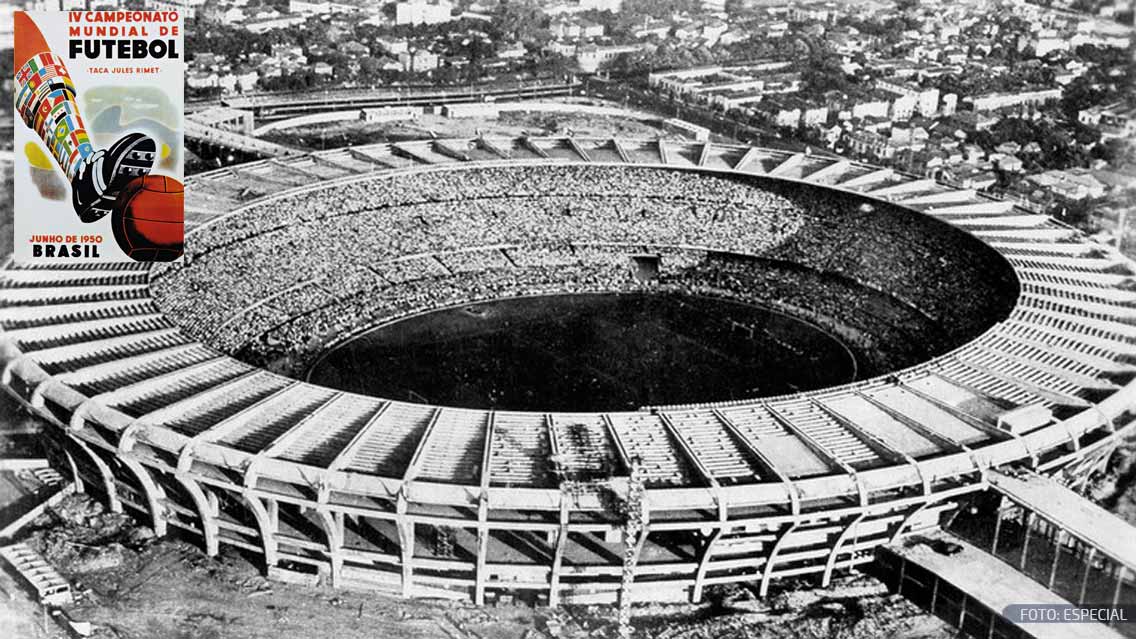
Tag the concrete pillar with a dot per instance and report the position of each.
(154, 494)
(406, 544)
(206, 514)
(332, 524)
(109, 486)
(266, 524)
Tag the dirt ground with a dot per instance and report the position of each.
(132, 586)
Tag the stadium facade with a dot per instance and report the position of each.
(150, 413)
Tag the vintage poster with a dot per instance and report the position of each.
(98, 136)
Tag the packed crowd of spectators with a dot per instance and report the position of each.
(291, 346)
(335, 235)
(932, 267)
(279, 280)
(885, 332)
(489, 205)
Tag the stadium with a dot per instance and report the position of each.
(982, 336)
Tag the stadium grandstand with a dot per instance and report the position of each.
(995, 338)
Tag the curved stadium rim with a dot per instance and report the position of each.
(785, 525)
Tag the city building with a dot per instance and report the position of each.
(968, 176)
(312, 8)
(1114, 120)
(392, 45)
(487, 110)
(727, 87)
(870, 144)
(390, 114)
(925, 101)
(187, 8)
(995, 101)
(876, 108)
(778, 113)
(274, 24)
(591, 57)
(575, 28)
(417, 12)
(1070, 184)
(652, 29)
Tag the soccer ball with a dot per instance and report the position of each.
(148, 219)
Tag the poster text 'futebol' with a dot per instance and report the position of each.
(123, 49)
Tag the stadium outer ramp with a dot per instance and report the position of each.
(80, 343)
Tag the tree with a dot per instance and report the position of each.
(204, 92)
(298, 81)
(549, 64)
(1060, 148)
(230, 42)
(1083, 92)
(446, 74)
(519, 20)
(370, 69)
(612, 25)
(1077, 213)
(753, 48)
(640, 62)
(1116, 151)
(659, 9)
(1106, 57)
(820, 73)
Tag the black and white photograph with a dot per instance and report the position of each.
(567, 319)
